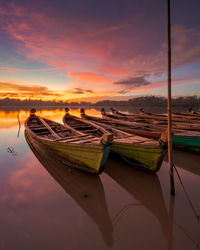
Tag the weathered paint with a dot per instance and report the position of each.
(104, 158)
(144, 156)
(86, 157)
(191, 143)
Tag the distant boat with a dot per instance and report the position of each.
(174, 118)
(140, 152)
(177, 118)
(151, 120)
(81, 151)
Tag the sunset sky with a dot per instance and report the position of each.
(94, 50)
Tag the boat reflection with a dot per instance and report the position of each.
(144, 187)
(184, 160)
(87, 190)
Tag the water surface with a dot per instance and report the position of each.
(45, 205)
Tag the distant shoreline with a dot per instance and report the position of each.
(147, 102)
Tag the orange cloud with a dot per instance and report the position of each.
(95, 56)
(91, 77)
(24, 91)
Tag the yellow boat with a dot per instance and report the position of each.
(140, 152)
(81, 151)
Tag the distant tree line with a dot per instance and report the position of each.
(34, 103)
(188, 101)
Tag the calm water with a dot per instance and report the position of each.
(45, 205)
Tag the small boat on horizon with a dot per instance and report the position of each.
(85, 152)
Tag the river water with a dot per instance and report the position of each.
(45, 205)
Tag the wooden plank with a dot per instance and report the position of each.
(49, 128)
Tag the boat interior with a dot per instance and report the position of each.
(83, 126)
(55, 131)
(37, 125)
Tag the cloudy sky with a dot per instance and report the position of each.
(93, 50)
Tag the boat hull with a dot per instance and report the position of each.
(89, 158)
(188, 143)
(143, 157)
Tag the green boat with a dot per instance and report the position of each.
(187, 140)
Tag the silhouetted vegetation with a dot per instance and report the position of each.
(153, 101)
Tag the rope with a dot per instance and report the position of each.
(187, 196)
(116, 218)
(187, 235)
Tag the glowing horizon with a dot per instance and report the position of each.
(97, 51)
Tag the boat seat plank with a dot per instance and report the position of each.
(49, 128)
(44, 133)
(72, 138)
(91, 130)
(40, 127)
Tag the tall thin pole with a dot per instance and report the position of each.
(169, 103)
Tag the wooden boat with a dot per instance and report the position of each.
(177, 118)
(143, 153)
(86, 190)
(184, 139)
(161, 117)
(187, 140)
(133, 118)
(141, 129)
(160, 124)
(81, 151)
(186, 115)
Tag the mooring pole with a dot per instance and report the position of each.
(171, 172)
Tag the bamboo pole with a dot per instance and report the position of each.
(169, 103)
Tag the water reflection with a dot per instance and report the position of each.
(36, 213)
(87, 190)
(9, 118)
(144, 187)
(184, 160)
